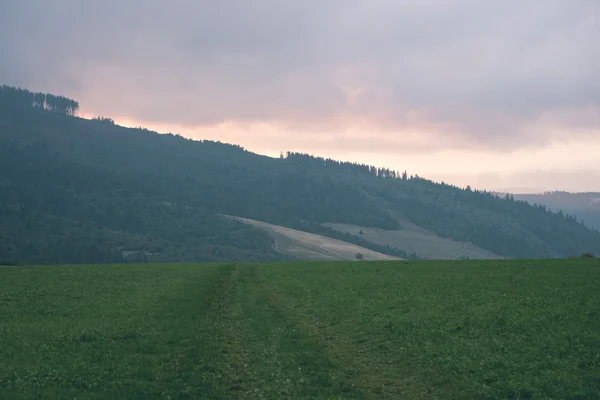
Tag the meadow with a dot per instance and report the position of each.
(469, 329)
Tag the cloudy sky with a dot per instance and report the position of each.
(496, 94)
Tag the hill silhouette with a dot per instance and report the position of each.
(584, 206)
(78, 190)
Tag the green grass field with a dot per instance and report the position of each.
(388, 329)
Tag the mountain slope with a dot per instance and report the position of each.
(309, 246)
(584, 206)
(416, 240)
(138, 190)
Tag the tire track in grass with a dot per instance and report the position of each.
(374, 378)
(194, 369)
(110, 332)
(234, 361)
(266, 356)
(221, 363)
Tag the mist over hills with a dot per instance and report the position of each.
(89, 191)
(584, 206)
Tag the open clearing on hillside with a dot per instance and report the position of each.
(308, 246)
(414, 239)
(390, 329)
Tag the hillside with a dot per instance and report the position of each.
(584, 206)
(308, 246)
(77, 190)
(419, 241)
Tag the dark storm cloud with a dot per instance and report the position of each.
(473, 69)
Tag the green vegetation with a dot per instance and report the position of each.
(584, 206)
(131, 194)
(11, 263)
(16, 99)
(418, 329)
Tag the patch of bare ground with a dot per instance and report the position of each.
(309, 246)
(414, 239)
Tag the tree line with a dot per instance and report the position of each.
(13, 97)
(343, 166)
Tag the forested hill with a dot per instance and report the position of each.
(584, 206)
(76, 190)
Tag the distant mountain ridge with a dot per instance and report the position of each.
(77, 190)
(583, 205)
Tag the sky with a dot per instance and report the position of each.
(499, 95)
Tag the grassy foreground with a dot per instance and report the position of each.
(411, 330)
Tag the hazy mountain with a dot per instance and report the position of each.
(585, 206)
(77, 190)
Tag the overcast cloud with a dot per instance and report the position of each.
(496, 74)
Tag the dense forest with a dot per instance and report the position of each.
(77, 190)
(584, 206)
(12, 98)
